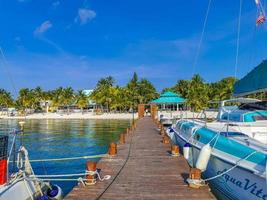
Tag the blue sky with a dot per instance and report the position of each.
(51, 43)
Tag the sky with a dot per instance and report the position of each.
(52, 43)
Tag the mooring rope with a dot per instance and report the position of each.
(80, 179)
(201, 182)
(69, 158)
(230, 169)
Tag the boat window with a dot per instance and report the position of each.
(255, 116)
(235, 117)
(197, 137)
(258, 118)
(261, 105)
(233, 134)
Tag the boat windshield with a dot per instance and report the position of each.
(233, 134)
(261, 105)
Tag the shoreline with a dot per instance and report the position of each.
(126, 116)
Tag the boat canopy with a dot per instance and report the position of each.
(169, 98)
(255, 81)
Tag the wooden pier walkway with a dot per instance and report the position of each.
(142, 169)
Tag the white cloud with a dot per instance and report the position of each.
(43, 28)
(85, 15)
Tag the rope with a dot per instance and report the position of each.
(201, 182)
(201, 37)
(67, 175)
(238, 37)
(230, 169)
(70, 158)
(54, 177)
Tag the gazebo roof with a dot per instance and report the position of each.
(169, 98)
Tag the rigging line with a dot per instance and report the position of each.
(262, 8)
(201, 37)
(238, 36)
(4, 62)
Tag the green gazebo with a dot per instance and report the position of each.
(169, 101)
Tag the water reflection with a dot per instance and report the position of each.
(66, 138)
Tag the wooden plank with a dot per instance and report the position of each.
(149, 173)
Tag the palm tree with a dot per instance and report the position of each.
(57, 97)
(6, 99)
(67, 97)
(26, 99)
(197, 97)
(182, 88)
(147, 91)
(102, 94)
(81, 100)
(132, 90)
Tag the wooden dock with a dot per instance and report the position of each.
(142, 169)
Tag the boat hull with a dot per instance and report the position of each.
(238, 183)
(21, 190)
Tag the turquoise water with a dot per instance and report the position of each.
(66, 138)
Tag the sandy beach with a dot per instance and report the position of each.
(73, 116)
(90, 115)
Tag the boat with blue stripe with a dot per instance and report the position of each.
(237, 139)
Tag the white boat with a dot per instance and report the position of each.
(231, 152)
(240, 158)
(22, 184)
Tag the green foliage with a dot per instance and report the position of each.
(123, 98)
(26, 99)
(103, 93)
(6, 99)
(115, 98)
(81, 99)
(199, 94)
(182, 88)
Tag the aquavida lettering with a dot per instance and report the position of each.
(246, 184)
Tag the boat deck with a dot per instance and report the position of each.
(142, 169)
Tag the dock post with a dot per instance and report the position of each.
(166, 139)
(162, 131)
(112, 149)
(159, 124)
(90, 169)
(175, 150)
(194, 180)
(122, 138)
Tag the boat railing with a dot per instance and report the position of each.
(201, 118)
